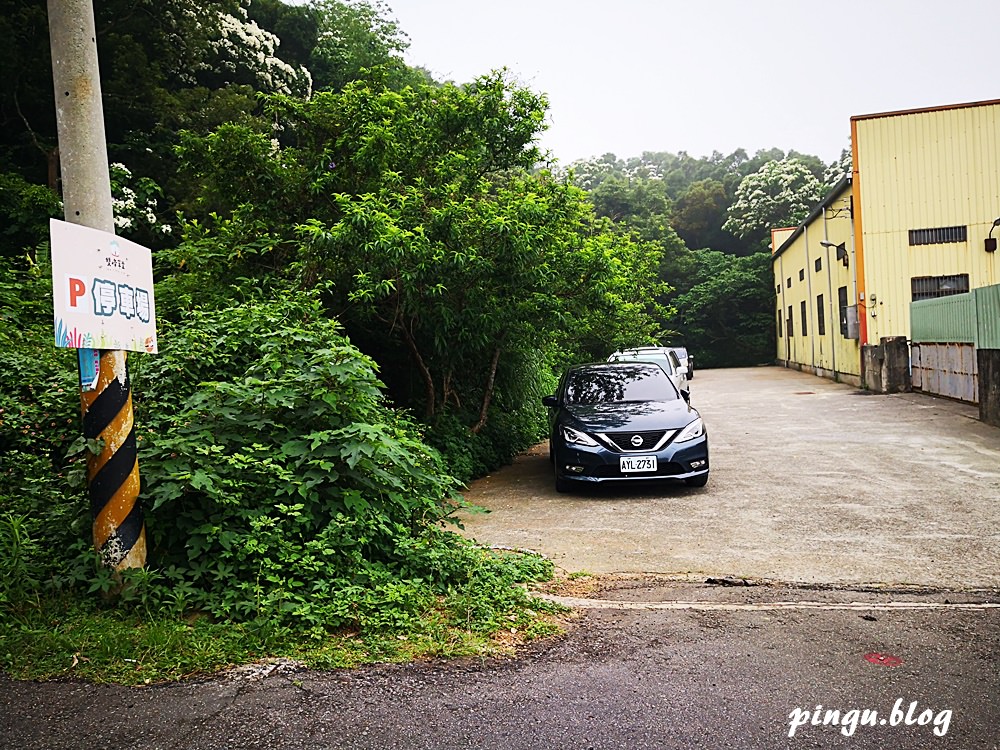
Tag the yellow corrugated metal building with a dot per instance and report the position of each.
(814, 287)
(912, 222)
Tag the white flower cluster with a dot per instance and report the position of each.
(207, 39)
(642, 170)
(839, 169)
(131, 211)
(780, 193)
(589, 173)
(243, 44)
(181, 18)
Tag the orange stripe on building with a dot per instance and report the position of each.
(859, 243)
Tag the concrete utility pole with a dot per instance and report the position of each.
(113, 474)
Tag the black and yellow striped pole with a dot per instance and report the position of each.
(113, 474)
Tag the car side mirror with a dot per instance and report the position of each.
(550, 401)
(686, 396)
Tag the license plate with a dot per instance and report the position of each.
(633, 464)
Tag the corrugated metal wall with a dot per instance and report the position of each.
(988, 309)
(805, 271)
(925, 170)
(945, 370)
(947, 333)
(944, 320)
(972, 318)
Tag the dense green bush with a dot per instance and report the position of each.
(25, 210)
(278, 484)
(42, 502)
(279, 481)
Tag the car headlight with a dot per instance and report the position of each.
(694, 430)
(575, 437)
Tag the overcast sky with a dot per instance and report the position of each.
(628, 76)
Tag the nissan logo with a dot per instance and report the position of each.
(636, 440)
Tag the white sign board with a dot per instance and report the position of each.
(102, 288)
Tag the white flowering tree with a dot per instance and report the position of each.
(588, 173)
(134, 202)
(242, 46)
(217, 43)
(779, 194)
(839, 169)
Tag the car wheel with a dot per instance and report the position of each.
(699, 481)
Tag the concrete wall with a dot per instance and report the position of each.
(989, 385)
(885, 368)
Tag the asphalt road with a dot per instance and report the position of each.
(866, 524)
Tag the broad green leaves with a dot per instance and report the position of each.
(278, 461)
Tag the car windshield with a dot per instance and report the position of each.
(618, 384)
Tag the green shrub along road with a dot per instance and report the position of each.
(290, 510)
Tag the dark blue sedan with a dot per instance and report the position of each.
(619, 421)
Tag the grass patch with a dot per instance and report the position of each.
(87, 639)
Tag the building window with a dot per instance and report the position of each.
(819, 263)
(791, 330)
(777, 290)
(938, 236)
(842, 304)
(780, 334)
(788, 282)
(802, 310)
(929, 287)
(802, 274)
(820, 316)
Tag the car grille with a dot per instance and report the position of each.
(623, 440)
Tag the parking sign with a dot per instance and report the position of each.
(102, 289)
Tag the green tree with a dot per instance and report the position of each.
(297, 27)
(354, 37)
(25, 210)
(779, 194)
(698, 216)
(446, 256)
(27, 106)
(726, 314)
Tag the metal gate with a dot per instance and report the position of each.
(945, 370)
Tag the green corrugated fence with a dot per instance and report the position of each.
(988, 312)
(970, 318)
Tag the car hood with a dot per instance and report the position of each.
(639, 416)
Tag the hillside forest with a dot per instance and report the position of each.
(365, 281)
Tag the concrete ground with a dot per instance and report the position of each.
(812, 482)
